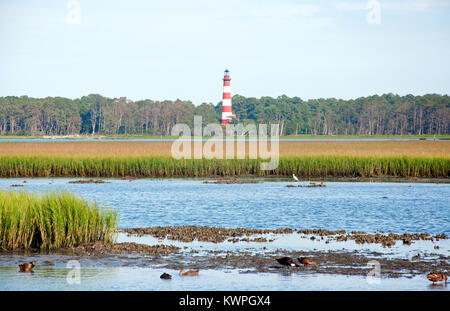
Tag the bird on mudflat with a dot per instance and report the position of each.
(306, 261)
(27, 267)
(295, 177)
(287, 262)
(437, 277)
(189, 272)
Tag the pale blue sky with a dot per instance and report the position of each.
(179, 49)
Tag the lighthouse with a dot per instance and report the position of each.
(226, 100)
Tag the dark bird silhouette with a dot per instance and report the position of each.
(166, 276)
(189, 272)
(437, 277)
(27, 267)
(287, 262)
(306, 261)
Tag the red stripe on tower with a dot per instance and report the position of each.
(226, 102)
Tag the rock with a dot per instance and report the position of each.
(90, 181)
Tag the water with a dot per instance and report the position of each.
(360, 206)
(124, 278)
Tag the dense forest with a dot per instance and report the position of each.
(388, 114)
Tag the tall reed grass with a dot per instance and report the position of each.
(165, 166)
(52, 220)
(287, 148)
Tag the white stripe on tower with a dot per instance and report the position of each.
(226, 99)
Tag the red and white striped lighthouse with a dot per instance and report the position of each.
(226, 100)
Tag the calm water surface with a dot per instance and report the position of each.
(409, 207)
(360, 206)
(55, 278)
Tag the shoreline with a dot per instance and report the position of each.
(175, 248)
(242, 179)
(162, 137)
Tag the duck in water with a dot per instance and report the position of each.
(27, 267)
(287, 262)
(166, 276)
(189, 272)
(306, 261)
(437, 277)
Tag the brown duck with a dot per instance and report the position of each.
(437, 277)
(27, 267)
(287, 262)
(189, 272)
(306, 261)
(166, 276)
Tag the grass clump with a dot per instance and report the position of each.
(52, 220)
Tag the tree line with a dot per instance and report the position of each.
(388, 114)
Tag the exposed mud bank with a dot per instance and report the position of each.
(100, 249)
(233, 181)
(246, 260)
(336, 262)
(329, 262)
(204, 234)
(90, 181)
(218, 235)
(310, 185)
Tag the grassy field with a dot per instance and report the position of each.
(139, 149)
(427, 159)
(52, 220)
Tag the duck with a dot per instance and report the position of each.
(306, 261)
(189, 272)
(27, 267)
(437, 277)
(287, 262)
(166, 276)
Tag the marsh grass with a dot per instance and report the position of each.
(287, 148)
(52, 220)
(165, 166)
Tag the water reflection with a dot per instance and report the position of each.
(438, 286)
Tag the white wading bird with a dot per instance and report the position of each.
(295, 177)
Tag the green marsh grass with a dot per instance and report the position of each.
(52, 220)
(165, 166)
